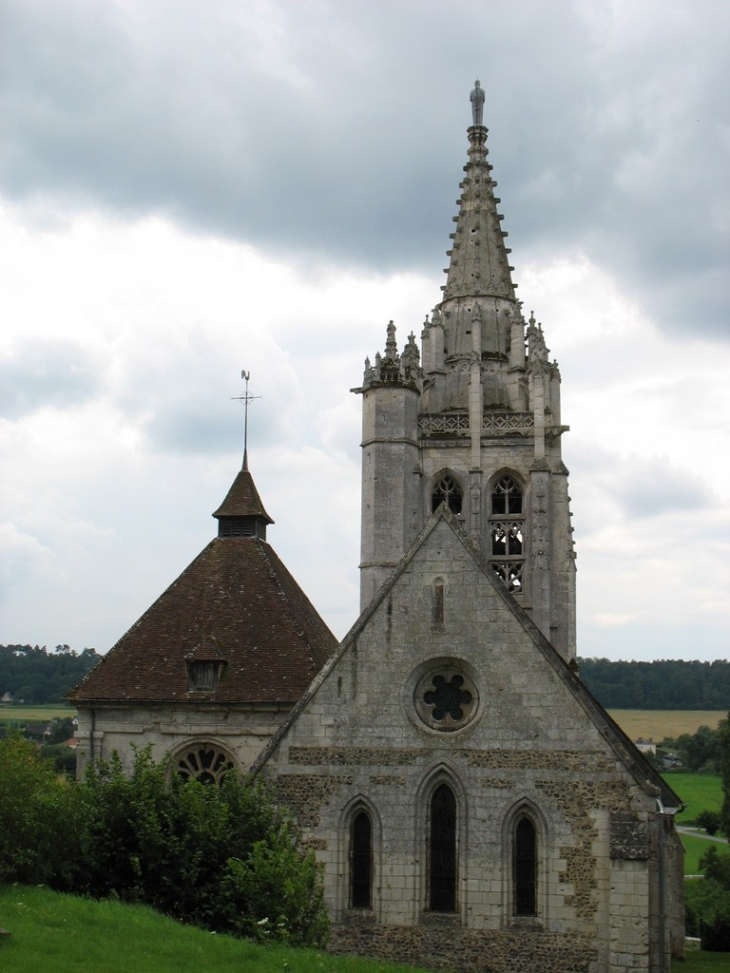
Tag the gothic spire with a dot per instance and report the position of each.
(479, 266)
(479, 272)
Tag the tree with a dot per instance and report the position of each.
(724, 732)
(36, 808)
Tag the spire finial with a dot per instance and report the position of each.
(477, 104)
(245, 398)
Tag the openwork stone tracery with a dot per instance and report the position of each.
(204, 762)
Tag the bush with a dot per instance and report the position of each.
(707, 903)
(222, 858)
(37, 815)
(212, 857)
(709, 820)
(275, 894)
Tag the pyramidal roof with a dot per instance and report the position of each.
(243, 499)
(235, 605)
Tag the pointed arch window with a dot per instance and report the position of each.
(442, 851)
(506, 525)
(361, 861)
(447, 491)
(524, 867)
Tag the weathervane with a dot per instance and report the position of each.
(245, 398)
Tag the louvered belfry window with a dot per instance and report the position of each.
(506, 524)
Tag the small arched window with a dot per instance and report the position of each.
(442, 851)
(361, 861)
(447, 491)
(524, 867)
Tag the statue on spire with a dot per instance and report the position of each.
(477, 103)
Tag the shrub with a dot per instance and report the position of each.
(709, 820)
(37, 815)
(210, 856)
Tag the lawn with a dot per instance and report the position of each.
(694, 849)
(66, 934)
(699, 962)
(700, 792)
(71, 935)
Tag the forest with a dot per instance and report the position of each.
(34, 675)
(664, 684)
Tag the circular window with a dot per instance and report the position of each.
(445, 696)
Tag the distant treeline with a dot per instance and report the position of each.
(664, 684)
(33, 675)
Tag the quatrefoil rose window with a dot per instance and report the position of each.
(445, 697)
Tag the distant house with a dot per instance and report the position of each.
(645, 746)
(6, 698)
(38, 731)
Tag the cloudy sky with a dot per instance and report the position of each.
(193, 188)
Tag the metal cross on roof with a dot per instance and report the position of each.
(245, 398)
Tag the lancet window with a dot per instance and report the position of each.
(506, 525)
(447, 491)
(524, 867)
(442, 851)
(361, 861)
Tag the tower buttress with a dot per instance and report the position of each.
(391, 490)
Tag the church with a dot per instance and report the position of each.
(473, 806)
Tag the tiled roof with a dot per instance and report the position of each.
(238, 597)
(243, 500)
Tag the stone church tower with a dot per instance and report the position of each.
(473, 807)
(473, 422)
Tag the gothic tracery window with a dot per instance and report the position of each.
(506, 524)
(204, 762)
(361, 861)
(442, 851)
(447, 491)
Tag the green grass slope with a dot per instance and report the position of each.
(64, 934)
(52, 933)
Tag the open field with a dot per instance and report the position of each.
(700, 792)
(21, 714)
(694, 848)
(656, 724)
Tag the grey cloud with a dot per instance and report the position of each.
(639, 487)
(59, 374)
(336, 132)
